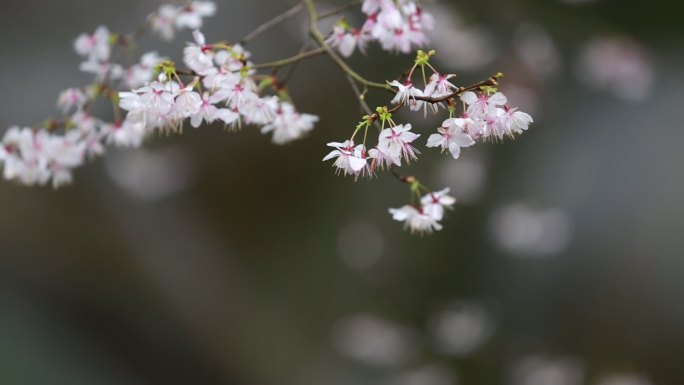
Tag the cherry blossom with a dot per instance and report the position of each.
(36, 157)
(415, 220)
(129, 133)
(439, 85)
(71, 99)
(349, 160)
(434, 203)
(289, 124)
(405, 93)
(514, 121)
(139, 74)
(191, 16)
(163, 21)
(451, 136)
(188, 103)
(348, 41)
(94, 46)
(394, 143)
(102, 70)
(170, 18)
(483, 104)
(198, 56)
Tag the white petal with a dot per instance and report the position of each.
(332, 154)
(357, 164)
(454, 149)
(498, 99)
(199, 37)
(196, 120)
(463, 139)
(435, 140)
(469, 97)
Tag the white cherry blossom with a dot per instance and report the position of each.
(452, 136)
(198, 56)
(405, 93)
(191, 16)
(129, 133)
(94, 46)
(434, 203)
(482, 104)
(187, 103)
(349, 160)
(163, 21)
(415, 219)
(514, 121)
(439, 85)
(394, 143)
(139, 74)
(289, 124)
(71, 99)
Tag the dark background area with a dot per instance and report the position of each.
(218, 258)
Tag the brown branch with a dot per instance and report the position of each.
(489, 82)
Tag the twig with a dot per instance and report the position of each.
(293, 67)
(409, 179)
(290, 60)
(489, 82)
(320, 39)
(271, 23)
(364, 106)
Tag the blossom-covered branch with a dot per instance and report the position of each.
(218, 83)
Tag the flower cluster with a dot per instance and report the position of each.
(96, 48)
(425, 217)
(170, 18)
(485, 116)
(37, 157)
(397, 25)
(222, 89)
(42, 154)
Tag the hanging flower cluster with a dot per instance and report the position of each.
(222, 89)
(485, 115)
(218, 83)
(50, 151)
(170, 18)
(398, 26)
(424, 217)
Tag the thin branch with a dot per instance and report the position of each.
(362, 101)
(272, 23)
(364, 106)
(320, 39)
(290, 60)
(402, 178)
(293, 67)
(489, 82)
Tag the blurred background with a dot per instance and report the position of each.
(218, 258)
